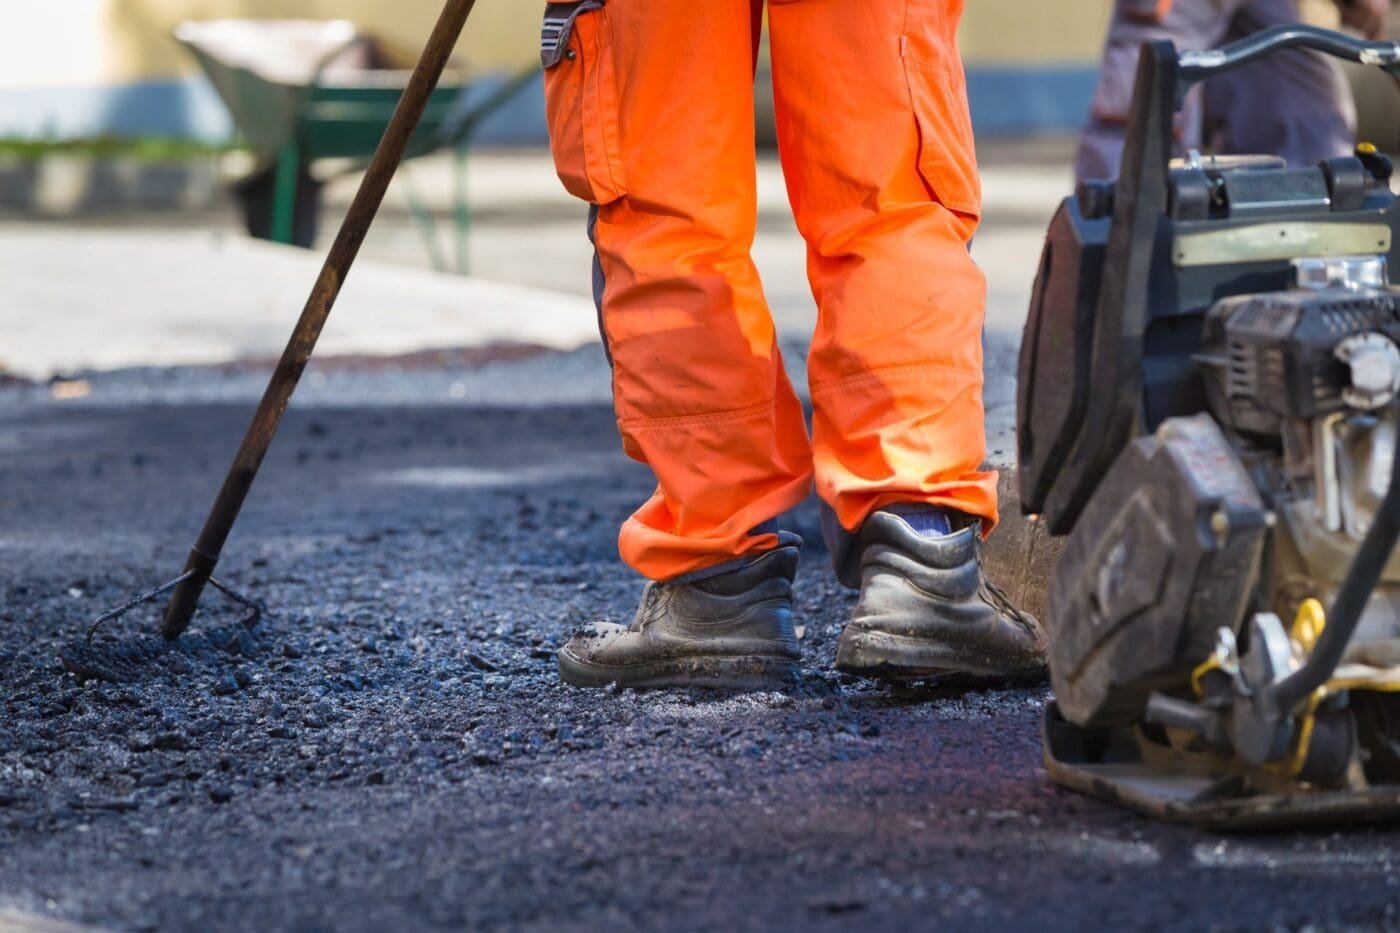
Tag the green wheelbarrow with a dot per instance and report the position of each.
(300, 91)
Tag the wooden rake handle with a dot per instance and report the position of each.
(385, 161)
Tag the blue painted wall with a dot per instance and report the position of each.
(1013, 101)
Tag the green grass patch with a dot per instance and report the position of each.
(146, 149)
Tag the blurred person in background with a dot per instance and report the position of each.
(1295, 104)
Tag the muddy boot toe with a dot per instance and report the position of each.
(731, 631)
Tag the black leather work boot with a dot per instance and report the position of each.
(926, 611)
(731, 631)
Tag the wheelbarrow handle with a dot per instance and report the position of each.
(387, 155)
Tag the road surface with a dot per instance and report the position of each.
(392, 750)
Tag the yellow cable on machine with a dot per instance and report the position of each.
(1307, 629)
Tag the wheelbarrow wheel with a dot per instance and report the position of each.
(255, 195)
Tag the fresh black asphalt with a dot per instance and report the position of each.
(392, 750)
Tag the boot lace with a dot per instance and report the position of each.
(999, 600)
(651, 598)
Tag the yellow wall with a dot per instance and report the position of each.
(500, 32)
(1033, 31)
(1058, 31)
(56, 43)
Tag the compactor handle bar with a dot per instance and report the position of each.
(1194, 67)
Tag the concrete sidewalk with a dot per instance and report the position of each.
(79, 300)
(190, 288)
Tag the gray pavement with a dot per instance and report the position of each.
(393, 751)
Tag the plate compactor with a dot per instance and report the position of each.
(1209, 406)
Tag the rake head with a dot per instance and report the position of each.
(128, 659)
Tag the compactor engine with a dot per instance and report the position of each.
(1209, 407)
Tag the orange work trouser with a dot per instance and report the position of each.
(651, 113)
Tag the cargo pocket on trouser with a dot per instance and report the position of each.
(581, 100)
(938, 95)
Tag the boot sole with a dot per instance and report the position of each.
(748, 674)
(904, 658)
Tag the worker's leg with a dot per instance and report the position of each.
(1294, 104)
(877, 150)
(652, 121)
(1189, 24)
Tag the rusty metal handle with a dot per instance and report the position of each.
(387, 156)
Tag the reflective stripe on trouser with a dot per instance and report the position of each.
(1294, 104)
(651, 115)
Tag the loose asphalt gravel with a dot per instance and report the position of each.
(391, 750)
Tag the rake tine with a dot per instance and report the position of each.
(256, 610)
(146, 597)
